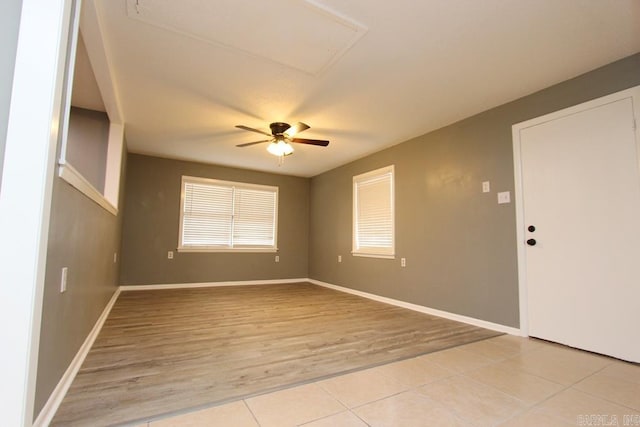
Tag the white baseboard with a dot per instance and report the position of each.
(209, 284)
(422, 309)
(415, 307)
(49, 409)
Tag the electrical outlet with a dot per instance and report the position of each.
(339, 258)
(504, 197)
(115, 257)
(403, 262)
(63, 279)
(486, 186)
(277, 258)
(170, 255)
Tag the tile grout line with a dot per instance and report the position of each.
(537, 405)
(359, 417)
(597, 396)
(457, 374)
(251, 412)
(565, 388)
(527, 407)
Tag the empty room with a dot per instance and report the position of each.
(320, 213)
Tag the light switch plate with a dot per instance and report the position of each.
(504, 197)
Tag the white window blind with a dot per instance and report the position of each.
(226, 216)
(373, 213)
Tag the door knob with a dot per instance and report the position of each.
(531, 242)
(531, 228)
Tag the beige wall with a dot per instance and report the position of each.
(151, 226)
(82, 237)
(460, 245)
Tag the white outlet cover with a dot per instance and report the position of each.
(63, 279)
(170, 255)
(504, 197)
(486, 186)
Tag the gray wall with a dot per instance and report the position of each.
(83, 237)
(87, 143)
(151, 227)
(459, 243)
(9, 25)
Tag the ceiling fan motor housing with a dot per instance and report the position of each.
(278, 128)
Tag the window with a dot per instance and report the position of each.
(373, 214)
(227, 216)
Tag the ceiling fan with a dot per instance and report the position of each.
(282, 134)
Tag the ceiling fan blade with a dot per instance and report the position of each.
(246, 144)
(320, 142)
(295, 129)
(253, 130)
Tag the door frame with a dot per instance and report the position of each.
(25, 195)
(516, 129)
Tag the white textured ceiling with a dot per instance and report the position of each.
(412, 67)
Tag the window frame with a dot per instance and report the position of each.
(373, 252)
(232, 184)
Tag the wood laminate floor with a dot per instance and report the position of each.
(166, 351)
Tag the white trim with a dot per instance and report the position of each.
(366, 255)
(72, 47)
(415, 307)
(225, 183)
(50, 408)
(210, 284)
(76, 180)
(187, 249)
(520, 234)
(634, 94)
(33, 128)
(422, 309)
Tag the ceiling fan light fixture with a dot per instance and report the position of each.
(280, 148)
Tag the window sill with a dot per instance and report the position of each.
(76, 180)
(229, 250)
(366, 255)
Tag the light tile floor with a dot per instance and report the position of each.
(503, 381)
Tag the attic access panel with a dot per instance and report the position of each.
(296, 33)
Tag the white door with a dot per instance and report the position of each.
(579, 220)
